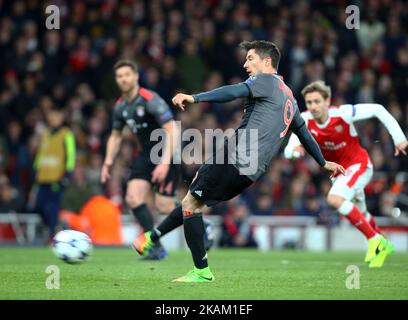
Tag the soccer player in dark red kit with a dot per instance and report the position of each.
(333, 128)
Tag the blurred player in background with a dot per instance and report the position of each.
(143, 111)
(333, 128)
(270, 111)
(53, 165)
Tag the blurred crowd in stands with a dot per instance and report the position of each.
(192, 46)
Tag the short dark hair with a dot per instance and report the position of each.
(264, 49)
(125, 63)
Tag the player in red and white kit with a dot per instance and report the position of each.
(334, 130)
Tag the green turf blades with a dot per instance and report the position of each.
(113, 273)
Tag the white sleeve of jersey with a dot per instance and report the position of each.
(294, 141)
(363, 111)
(289, 151)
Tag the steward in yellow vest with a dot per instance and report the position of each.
(54, 163)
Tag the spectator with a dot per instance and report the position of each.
(79, 191)
(18, 159)
(236, 230)
(10, 199)
(371, 30)
(191, 68)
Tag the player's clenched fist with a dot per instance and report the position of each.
(400, 148)
(334, 168)
(180, 99)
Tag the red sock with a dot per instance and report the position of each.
(374, 225)
(358, 220)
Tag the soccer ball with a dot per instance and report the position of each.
(72, 246)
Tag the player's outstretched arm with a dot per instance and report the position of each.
(362, 111)
(112, 149)
(222, 94)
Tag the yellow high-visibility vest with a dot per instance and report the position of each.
(52, 159)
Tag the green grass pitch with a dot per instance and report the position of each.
(116, 273)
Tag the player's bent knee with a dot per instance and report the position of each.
(133, 201)
(190, 203)
(137, 192)
(186, 203)
(335, 201)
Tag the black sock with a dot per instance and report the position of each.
(194, 233)
(171, 222)
(144, 217)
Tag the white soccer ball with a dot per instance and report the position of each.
(72, 246)
(296, 155)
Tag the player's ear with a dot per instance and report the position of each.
(268, 61)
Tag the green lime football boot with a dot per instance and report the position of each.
(373, 248)
(143, 243)
(197, 275)
(385, 249)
